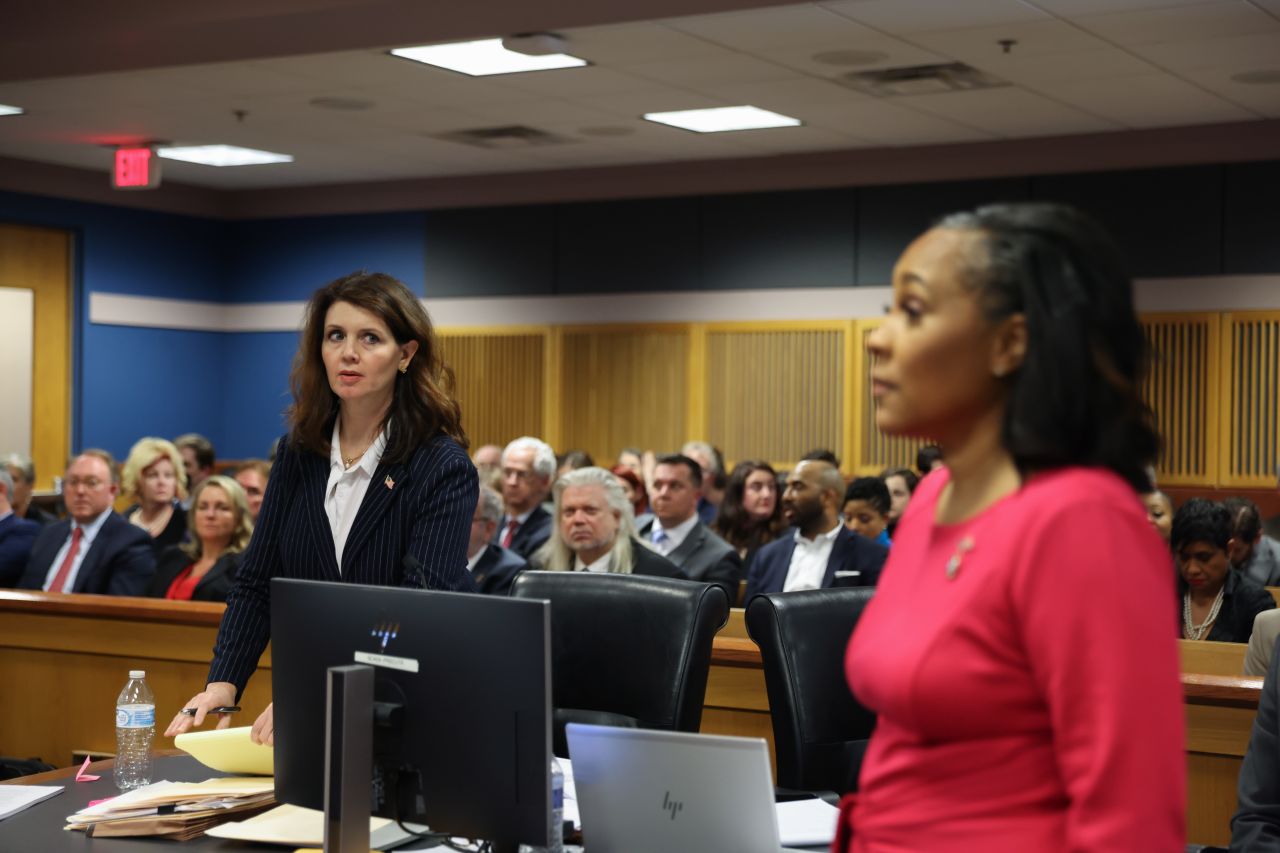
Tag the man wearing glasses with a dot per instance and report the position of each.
(95, 550)
(528, 466)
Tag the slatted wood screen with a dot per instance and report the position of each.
(1250, 448)
(875, 451)
(1182, 390)
(501, 382)
(776, 391)
(623, 387)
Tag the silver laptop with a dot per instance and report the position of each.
(642, 791)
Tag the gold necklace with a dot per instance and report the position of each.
(348, 461)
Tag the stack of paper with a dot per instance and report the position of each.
(178, 810)
(293, 826)
(228, 750)
(15, 798)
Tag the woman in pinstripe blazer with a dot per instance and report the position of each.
(372, 485)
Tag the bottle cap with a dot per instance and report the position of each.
(137, 673)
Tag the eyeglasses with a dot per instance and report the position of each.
(90, 483)
(517, 473)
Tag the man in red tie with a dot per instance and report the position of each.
(95, 550)
(527, 468)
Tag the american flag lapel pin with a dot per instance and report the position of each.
(389, 483)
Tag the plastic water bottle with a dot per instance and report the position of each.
(555, 832)
(135, 727)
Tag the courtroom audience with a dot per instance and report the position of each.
(822, 454)
(492, 567)
(204, 567)
(198, 457)
(252, 475)
(23, 472)
(1159, 512)
(928, 458)
(155, 481)
(595, 531)
(751, 515)
(631, 483)
(572, 460)
(17, 535)
(820, 552)
(866, 509)
(94, 550)
(528, 466)
(632, 458)
(487, 459)
(1252, 552)
(901, 483)
(712, 465)
(1255, 827)
(1216, 603)
(676, 532)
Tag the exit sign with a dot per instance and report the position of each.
(136, 168)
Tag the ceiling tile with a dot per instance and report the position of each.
(781, 95)
(773, 27)
(1180, 23)
(980, 46)
(727, 68)
(1262, 99)
(910, 16)
(635, 104)
(780, 140)
(642, 41)
(1153, 100)
(885, 122)
(1234, 53)
(879, 51)
(1106, 63)
(1077, 8)
(1008, 112)
(572, 82)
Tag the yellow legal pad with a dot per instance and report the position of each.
(228, 750)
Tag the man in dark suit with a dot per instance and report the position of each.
(23, 472)
(95, 550)
(527, 468)
(595, 532)
(1255, 827)
(821, 552)
(17, 535)
(492, 567)
(677, 533)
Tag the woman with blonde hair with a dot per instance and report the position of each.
(203, 568)
(156, 480)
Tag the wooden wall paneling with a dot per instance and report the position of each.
(500, 380)
(696, 406)
(874, 450)
(552, 366)
(1182, 389)
(1250, 445)
(776, 390)
(39, 260)
(623, 386)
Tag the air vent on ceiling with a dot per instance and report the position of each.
(921, 80)
(506, 136)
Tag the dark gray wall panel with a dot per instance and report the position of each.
(498, 251)
(786, 239)
(1251, 223)
(627, 246)
(1168, 222)
(890, 217)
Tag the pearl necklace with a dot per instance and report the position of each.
(1197, 632)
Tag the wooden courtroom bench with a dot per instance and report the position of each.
(72, 654)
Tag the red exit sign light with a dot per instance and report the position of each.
(136, 168)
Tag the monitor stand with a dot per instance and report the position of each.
(348, 758)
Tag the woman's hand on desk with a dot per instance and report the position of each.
(264, 728)
(216, 695)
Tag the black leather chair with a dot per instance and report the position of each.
(627, 650)
(820, 731)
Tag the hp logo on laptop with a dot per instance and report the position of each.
(670, 806)
(385, 632)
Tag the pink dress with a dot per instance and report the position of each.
(1032, 702)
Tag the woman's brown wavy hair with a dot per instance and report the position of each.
(422, 404)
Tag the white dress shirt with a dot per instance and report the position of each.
(600, 565)
(347, 487)
(675, 536)
(809, 560)
(90, 532)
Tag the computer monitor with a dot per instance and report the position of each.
(462, 684)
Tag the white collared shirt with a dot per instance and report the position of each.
(675, 536)
(86, 542)
(471, 561)
(809, 560)
(600, 565)
(346, 488)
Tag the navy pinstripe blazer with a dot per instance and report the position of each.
(411, 530)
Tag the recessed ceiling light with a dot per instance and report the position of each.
(720, 119)
(6, 110)
(222, 155)
(488, 56)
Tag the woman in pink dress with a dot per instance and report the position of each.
(1019, 651)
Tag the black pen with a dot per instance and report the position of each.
(221, 709)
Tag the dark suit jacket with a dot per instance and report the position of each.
(214, 586)
(17, 536)
(1242, 601)
(39, 516)
(173, 534)
(704, 556)
(411, 530)
(529, 536)
(855, 561)
(1255, 827)
(496, 569)
(119, 562)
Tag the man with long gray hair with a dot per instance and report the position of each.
(594, 530)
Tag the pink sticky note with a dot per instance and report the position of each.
(103, 800)
(85, 777)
